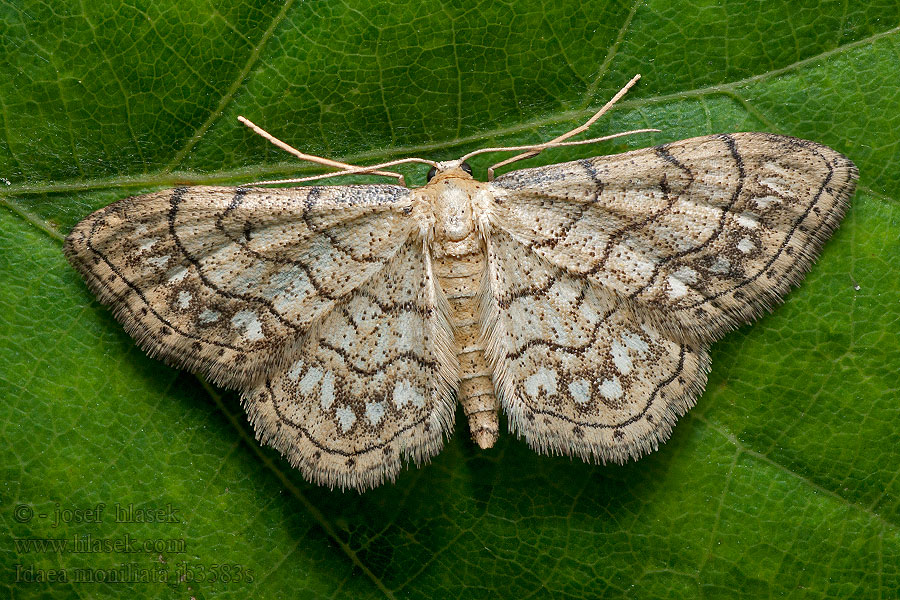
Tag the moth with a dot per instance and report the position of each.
(580, 298)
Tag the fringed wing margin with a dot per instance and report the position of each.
(371, 386)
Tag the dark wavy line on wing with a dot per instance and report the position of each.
(314, 282)
(576, 350)
(663, 152)
(408, 355)
(739, 162)
(393, 307)
(619, 233)
(565, 230)
(797, 224)
(507, 299)
(377, 446)
(102, 256)
(650, 401)
(176, 196)
(174, 201)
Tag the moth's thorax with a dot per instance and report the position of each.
(457, 205)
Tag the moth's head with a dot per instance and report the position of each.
(450, 168)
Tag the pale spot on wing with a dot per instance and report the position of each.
(588, 312)
(643, 269)
(309, 381)
(184, 299)
(635, 342)
(408, 332)
(344, 337)
(186, 232)
(580, 390)
(611, 389)
(721, 265)
(764, 202)
(346, 418)
(177, 274)
(326, 394)
(677, 289)
(374, 412)
(250, 323)
(567, 291)
(748, 220)
(521, 310)
(296, 370)
(684, 243)
(405, 392)
(544, 379)
(776, 168)
(284, 286)
(620, 357)
(246, 281)
(746, 245)
(687, 275)
(378, 379)
(208, 316)
(776, 185)
(146, 243)
(140, 229)
(159, 261)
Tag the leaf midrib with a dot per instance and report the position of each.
(167, 176)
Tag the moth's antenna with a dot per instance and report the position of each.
(552, 143)
(351, 170)
(538, 148)
(316, 159)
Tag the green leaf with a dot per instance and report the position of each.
(783, 481)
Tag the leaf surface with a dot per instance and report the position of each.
(783, 481)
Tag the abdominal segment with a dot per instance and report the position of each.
(459, 267)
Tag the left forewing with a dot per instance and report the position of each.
(225, 281)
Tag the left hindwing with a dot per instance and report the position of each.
(372, 383)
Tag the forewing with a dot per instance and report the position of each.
(371, 385)
(225, 281)
(704, 233)
(578, 372)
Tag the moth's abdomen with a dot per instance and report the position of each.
(460, 267)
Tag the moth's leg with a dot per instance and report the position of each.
(311, 158)
(570, 133)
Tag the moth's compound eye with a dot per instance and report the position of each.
(431, 173)
(465, 167)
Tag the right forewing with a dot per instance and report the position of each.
(703, 234)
